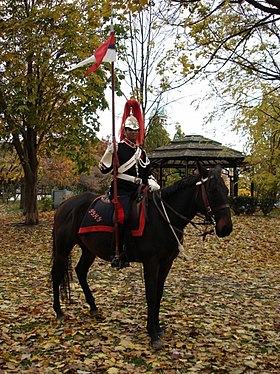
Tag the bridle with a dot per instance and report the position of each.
(209, 215)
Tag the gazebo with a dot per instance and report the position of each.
(181, 155)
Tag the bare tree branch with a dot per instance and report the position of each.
(275, 9)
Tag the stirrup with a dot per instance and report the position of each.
(115, 262)
(119, 263)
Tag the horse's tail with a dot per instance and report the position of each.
(66, 269)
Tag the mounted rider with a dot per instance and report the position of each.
(133, 171)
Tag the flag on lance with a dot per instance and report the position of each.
(104, 53)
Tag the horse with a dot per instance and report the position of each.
(168, 213)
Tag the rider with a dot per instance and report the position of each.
(133, 166)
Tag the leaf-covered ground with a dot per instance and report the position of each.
(221, 307)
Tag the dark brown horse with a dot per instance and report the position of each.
(174, 207)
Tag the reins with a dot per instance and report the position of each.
(172, 227)
(165, 216)
(209, 216)
(194, 224)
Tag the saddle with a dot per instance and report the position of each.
(100, 214)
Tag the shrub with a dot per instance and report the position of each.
(267, 205)
(46, 204)
(243, 204)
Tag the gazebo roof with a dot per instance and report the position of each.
(186, 151)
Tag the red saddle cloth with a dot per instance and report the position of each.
(100, 216)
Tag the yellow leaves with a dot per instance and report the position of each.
(10, 169)
(133, 6)
(6, 356)
(250, 364)
(113, 371)
(124, 343)
(49, 346)
(220, 308)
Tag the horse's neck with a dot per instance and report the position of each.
(183, 202)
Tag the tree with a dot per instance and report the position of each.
(43, 109)
(234, 45)
(266, 6)
(264, 148)
(57, 172)
(157, 134)
(10, 171)
(96, 182)
(242, 33)
(148, 57)
(179, 134)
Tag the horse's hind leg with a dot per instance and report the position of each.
(60, 275)
(82, 269)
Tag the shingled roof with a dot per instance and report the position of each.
(186, 151)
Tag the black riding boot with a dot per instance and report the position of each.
(120, 261)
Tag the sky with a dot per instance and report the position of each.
(184, 112)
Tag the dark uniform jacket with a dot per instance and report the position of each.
(140, 169)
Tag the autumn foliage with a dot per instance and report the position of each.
(57, 172)
(220, 307)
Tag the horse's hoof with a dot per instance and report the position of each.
(60, 317)
(161, 333)
(97, 315)
(157, 344)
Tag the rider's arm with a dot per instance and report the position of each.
(106, 162)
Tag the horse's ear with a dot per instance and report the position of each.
(201, 170)
(218, 170)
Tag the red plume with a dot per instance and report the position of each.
(133, 107)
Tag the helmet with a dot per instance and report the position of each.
(133, 119)
(132, 122)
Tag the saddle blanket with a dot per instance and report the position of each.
(100, 216)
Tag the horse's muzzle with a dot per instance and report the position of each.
(224, 231)
(224, 226)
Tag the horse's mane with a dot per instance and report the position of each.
(214, 175)
(179, 185)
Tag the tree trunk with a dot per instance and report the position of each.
(27, 151)
(30, 197)
(21, 204)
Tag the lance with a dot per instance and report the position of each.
(115, 166)
(115, 155)
(102, 53)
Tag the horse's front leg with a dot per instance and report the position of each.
(151, 273)
(164, 269)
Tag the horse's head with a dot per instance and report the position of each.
(212, 199)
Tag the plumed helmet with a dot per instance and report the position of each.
(133, 118)
(131, 122)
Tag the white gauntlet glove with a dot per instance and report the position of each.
(153, 184)
(107, 158)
